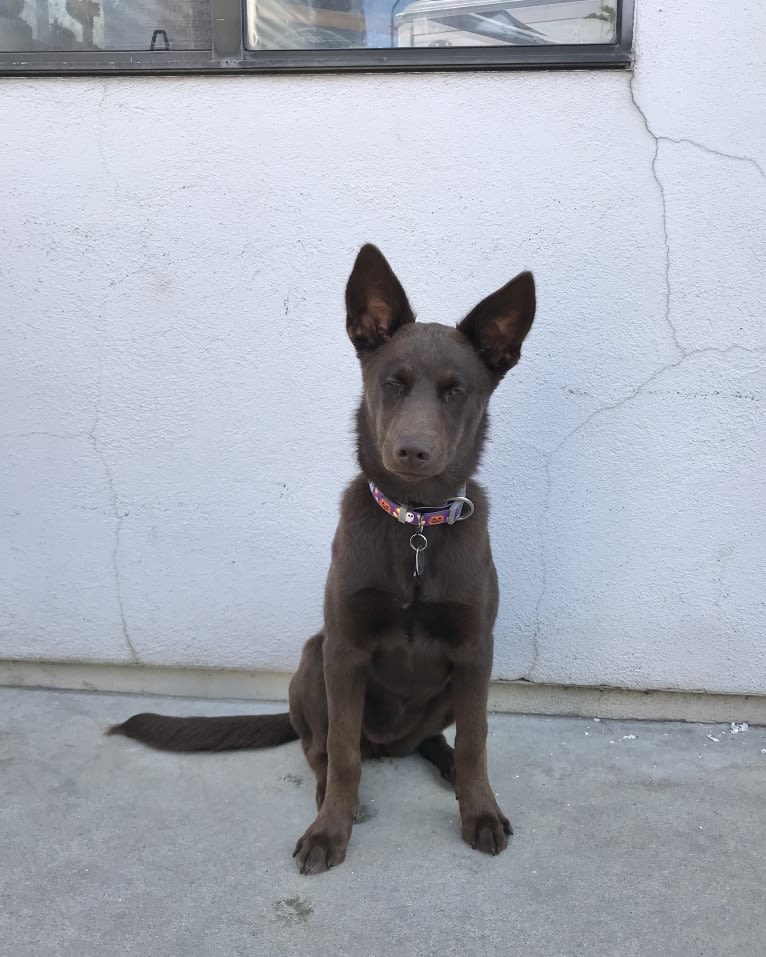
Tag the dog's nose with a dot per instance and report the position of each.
(413, 452)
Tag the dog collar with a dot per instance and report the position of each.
(447, 514)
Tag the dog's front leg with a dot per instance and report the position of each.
(483, 824)
(324, 843)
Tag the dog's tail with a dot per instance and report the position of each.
(228, 733)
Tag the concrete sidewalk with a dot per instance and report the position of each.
(631, 839)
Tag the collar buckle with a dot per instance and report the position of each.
(456, 508)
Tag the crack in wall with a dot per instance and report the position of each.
(685, 141)
(611, 407)
(663, 202)
(684, 354)
(109, 174)
(119, 518)
(100, 136)
(529, 673)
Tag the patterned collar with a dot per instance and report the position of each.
(447, 514)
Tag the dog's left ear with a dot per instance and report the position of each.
(497, 327)
(376, 304)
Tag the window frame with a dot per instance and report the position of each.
(229, 54)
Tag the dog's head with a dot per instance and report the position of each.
(422, 419)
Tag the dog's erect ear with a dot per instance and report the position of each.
(376, 304)
(497, 327)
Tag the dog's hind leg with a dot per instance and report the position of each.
(426, 738)
(308, 711)
(317, 759)
(438, 752)
(314, 744)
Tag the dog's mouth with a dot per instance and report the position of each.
(413, 476)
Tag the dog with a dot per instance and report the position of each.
(411, 594)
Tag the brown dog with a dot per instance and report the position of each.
(406, 648)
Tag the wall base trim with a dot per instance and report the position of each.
(511, 697)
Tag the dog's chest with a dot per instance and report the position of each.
(410, 641)
(409, 667)
(383, 619)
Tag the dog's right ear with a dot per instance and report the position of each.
(376, 304)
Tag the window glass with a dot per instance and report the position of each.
(385, 24)
(82, 25)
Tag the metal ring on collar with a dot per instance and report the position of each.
(464, 501)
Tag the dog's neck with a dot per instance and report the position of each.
(454, 510)
(421, 494)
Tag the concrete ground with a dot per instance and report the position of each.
(631, 839)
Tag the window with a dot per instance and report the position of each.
(383, 24)
(92, 26)
(97, 36)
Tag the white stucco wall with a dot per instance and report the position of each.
(177, 387)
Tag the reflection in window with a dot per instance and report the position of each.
(308, 24)
(384, 24)
(38, 25)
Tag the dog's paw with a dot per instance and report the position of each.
(321, 848)
(487, 831)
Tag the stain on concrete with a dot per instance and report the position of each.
(293, 910)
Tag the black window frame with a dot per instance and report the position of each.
(229, 55)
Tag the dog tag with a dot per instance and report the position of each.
(419, 544)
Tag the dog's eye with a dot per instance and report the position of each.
(452, 392)
(394, 385)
